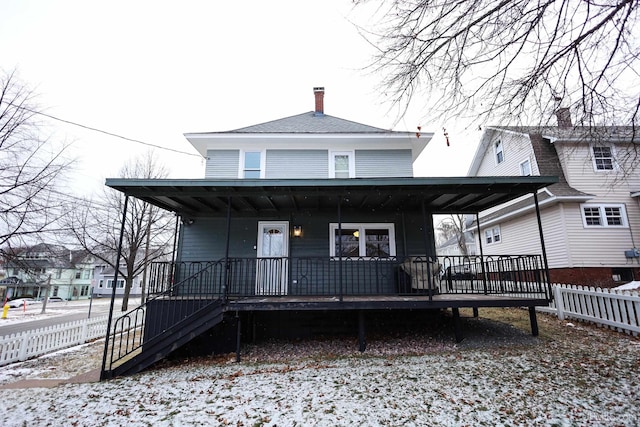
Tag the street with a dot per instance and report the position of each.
(19, 320)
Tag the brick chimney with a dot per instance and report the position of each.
(319, 94)
(563, 115)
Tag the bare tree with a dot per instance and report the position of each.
(29, 169)
(453, 226)
(147, 231)
(515, 61)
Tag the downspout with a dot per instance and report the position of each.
(484, 273)
(544, 249)
(113, 289)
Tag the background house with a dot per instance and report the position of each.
(591, 217)
(67, 272)
(103, 278)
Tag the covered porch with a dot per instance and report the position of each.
(218, 269)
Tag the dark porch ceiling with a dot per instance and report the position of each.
(207, 197)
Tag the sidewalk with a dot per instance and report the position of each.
(92, 376)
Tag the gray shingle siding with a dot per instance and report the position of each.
(283, 164)
(383, 163)
(222, 164)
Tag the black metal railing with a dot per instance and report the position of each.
(339, 277)
(200, 286)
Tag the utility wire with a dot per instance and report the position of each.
(103, 131)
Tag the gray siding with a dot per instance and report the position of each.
(383, 163)
(222, 164)
(284, 164)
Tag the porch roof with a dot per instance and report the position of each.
(209, 197)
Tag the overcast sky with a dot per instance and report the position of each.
(153, 70)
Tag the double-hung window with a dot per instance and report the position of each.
(252, 164)
(604, 215)
(120, 283)
(492, 235)
(362, 240)
(602, 157)
(525, 168)
(499, 152)
(341, 164)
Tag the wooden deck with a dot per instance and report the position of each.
(376, 302)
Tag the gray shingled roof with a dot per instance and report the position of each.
(311, 122)
(579, 133)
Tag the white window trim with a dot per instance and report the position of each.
(527, 160)
(110, 284)
(361, 228)
(263, 162)
(603, 219)
(613, 158)
(332, 163)
(495, 151)
(492, 230)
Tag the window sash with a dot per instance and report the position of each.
(363, 240)
(525, 168)
(604, 216)
(252, 164)
(603, 158)
(499, 152)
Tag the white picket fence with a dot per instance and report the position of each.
(25, 345)
(619, 310)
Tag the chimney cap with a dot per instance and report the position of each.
(318, 89)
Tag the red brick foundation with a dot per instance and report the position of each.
(592, 276)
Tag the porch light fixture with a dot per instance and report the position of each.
(356, 234)
(297, 231)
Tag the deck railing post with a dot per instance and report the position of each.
(340, 246)
(484, 272)
(225, 281)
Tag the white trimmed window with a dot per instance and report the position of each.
(110, 283)
(252, 165)
(341, 164)
(604, 216)
(362, 240)
(602, 157)
(492, 235)
(499, 152)
(525, 168)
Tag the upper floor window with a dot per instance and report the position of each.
(252, 164)
(602, 157)
(341, 164)
(363, 240)
(110, 283)
(492, 235)
(604, 216)
(499, 151)
(525, 168)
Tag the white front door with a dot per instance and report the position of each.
(272, 266)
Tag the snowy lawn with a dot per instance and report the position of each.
(570, 376)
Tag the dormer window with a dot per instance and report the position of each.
(341, 164)
(499, 151)
(252, 164)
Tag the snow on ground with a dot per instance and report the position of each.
(499, 375)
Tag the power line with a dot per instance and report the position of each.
(103, 131)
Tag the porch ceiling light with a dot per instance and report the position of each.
(356, 234)
(297, 231)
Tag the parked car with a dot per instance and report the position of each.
(19, 302)
(55, 299)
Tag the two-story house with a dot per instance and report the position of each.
(312, 223)
(590, 218)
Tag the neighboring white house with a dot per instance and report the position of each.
(103, 278)
(590, 218)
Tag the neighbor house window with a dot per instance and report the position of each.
(101, 283)
(78, 274)
(604, 216)
(492, 235)
(252, 164)
(499, 152)
(55, 291)
(525, 168)
(110, 283)
(362, 240)
(602, 158)
(341, 164)
(84, 291)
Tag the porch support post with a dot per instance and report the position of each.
(339, 245)
(475, 312)
(225, 283)
(534, 321)
(238, 336)
(427, 250)
(457, 327)
(362, 342)
(173, 252)
(103, 375)
(544, 249)
(484, 273)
